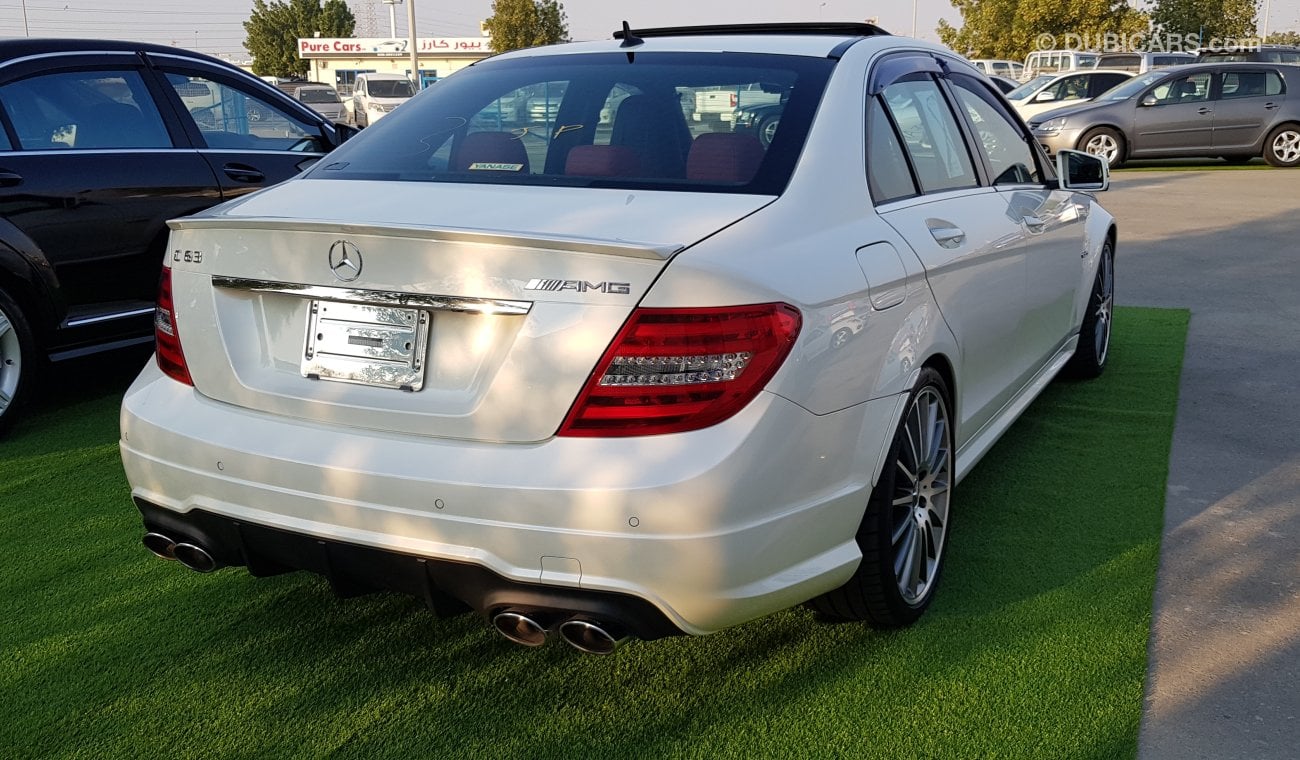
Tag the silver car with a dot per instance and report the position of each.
(1234, 110)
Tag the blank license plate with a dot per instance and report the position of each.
(381, 346)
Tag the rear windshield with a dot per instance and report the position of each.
(719, 122)
(317, 96)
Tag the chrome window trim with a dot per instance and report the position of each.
(69, 53)
(487, 306)
(80, 321)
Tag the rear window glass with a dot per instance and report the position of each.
(389, 88)
(719, 122)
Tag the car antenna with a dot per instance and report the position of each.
(629, 40)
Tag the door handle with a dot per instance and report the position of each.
(1203, 110)
(243, 173)
(10, 179)
(948, 237)
(1270, 106)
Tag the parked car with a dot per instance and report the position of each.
(723, 103)
(1235, 110)
(1005, 84)
(322, 99)
(992, 67)
(374, 95)
(1261, 54)
(102, 143)
(637, 381)
(1073, 87)
(1057, 61)
(1142, 62)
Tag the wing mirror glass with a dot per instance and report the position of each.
(1082, 171)
(1046, 96)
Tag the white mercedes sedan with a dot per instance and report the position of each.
(598, 380)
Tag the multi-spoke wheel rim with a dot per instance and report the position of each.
(769, 131)
(1103, 296)
(11, 361)
(1286, 146)
(1105, 146)
(922, 485)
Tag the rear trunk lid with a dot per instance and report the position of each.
(461, 311)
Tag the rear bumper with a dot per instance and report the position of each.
(709, 528)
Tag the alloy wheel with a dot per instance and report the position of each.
(11, 361)
(1103, 296)
(1104, 146)
(1286, 146)
(919, 518)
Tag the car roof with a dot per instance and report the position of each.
(819, 40)
(23, 47)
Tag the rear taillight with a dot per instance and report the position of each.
(167, 343)
(674, 370)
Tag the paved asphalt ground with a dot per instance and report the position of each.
(1225, 647)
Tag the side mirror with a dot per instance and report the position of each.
(343, 132)
(1046, 96)
(1149, 100)
(1082, 171)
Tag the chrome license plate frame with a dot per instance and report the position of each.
(379, 346)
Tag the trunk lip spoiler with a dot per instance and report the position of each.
(630, 249)
(486, 306)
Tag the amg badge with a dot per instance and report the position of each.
(581, 286)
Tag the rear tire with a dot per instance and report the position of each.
(1282, 149)
(903, 535)
(1105, 143)
(1089, 358)
(767, 128)
(18, 363)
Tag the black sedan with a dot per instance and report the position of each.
(101, 143)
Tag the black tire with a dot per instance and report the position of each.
(1093, 140)
(900, 514)
(1090, 357)
(18, 361)
(1282, 148)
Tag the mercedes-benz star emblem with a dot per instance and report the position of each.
(345, 260)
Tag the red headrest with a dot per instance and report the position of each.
(723, 157)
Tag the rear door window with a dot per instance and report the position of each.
(1011, 160)
(930, 134)
(230, 117)
(84, 110)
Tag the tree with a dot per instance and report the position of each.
(274, 28)
(1291, 37)
(1013, 28)
(1221, 19)
(516, 24)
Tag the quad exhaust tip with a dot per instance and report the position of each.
(520, 628)
(194, 557)
(592, 637)
(161, 546)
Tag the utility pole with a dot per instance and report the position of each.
(913, 19)
(26, 31)
(392, 17)
(1268, 6)
(415, 53)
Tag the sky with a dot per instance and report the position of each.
(216, 26)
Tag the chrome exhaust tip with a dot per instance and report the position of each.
(592, 637)
(161, 546)
(194, 557)
(520, 628)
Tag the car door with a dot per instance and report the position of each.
(95, 170)
(1049, 218)
(1248, 101)
(926, 186)
(1176, 117)
(251, 134)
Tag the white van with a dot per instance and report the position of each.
(1056, 61)
(996, 67)
(375, 95)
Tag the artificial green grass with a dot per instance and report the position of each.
(1034, 648)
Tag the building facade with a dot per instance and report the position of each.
(337, 61)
